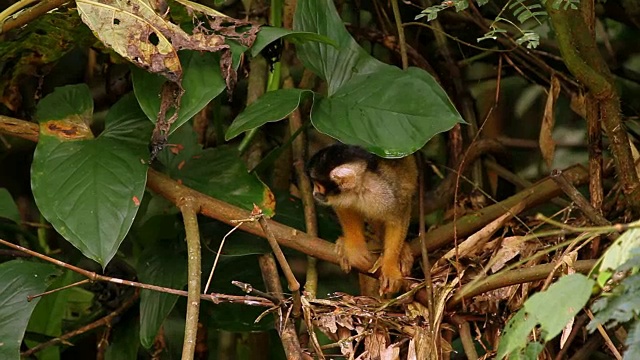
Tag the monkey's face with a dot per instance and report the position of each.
(341, 182)
(336, 172)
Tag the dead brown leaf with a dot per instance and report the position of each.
(546, 142)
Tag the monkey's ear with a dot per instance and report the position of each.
(348, 176)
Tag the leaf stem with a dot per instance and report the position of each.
(401, 38)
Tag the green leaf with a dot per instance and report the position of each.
(89, 189)
(532, 350)
(556, 306)
(173, 329)
(269, 34)
(270, 107)
(623, 248)
(48, 315)
(220, 173)
(72, 100)
(393, 122)
(390, 112)
(618, 307)
(552, 309)
(336, 65)
(633, 342)
(19, 279)
(516, 333)
(201, 81)
(8, 208)
(159, 265)
(217, 172)
(125, 343)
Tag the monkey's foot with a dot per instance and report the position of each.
(406, 260)
(351, 253)
(390, 279)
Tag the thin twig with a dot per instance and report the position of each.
(605, 336)
(293, 284)
(589, 211)
(426, 265)
(306, 191)
(214, 298)
(249, 289)
(308, 320)
(215, 261)
(286, 329)
(105, 321)
(81, 282)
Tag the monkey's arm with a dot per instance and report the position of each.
(352, 246)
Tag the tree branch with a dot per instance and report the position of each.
(585, 62)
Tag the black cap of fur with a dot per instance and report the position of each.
(320, 165)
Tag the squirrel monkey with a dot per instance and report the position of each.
(363, 187)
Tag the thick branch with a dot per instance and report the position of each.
(513, 277)
(219, 210)
(585, 62)
(189, 208)
(537, 194)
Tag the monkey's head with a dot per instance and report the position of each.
(337, 170)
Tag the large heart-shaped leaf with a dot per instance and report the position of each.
(89, 189)
(202, 82)
(391, 113)
(159, 265)
(336, 65)
(19, 279)
(218, 172)
(272, 106)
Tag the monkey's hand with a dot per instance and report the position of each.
(351, 252)
(391, 275)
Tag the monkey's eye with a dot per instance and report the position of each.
(318, 189)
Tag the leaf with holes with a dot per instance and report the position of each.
(89, 189)
(137, 33)
(19, 279)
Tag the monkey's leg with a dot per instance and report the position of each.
(395, 231)
(352, 246)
